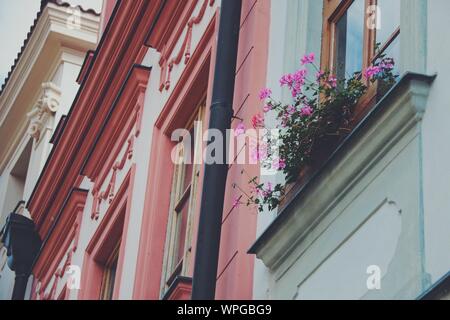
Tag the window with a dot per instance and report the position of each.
(109, 276)
(357, 32)
(183, 200)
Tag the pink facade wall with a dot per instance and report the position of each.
(235, 275)
(235, 271)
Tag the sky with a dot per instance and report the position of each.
(16, 18)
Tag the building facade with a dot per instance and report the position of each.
(369, 223)
(35, 97)
(110, 204)
(118, 210)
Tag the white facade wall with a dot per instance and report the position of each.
(394, 213)
(50, 57)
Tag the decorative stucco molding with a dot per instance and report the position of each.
(110, 192)
(40, 117)
(167, 62)
(23, 85)
(399, 112)
(51, 279)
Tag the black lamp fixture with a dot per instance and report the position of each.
(23, 243)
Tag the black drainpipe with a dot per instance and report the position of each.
(214, 184)
(22, 243)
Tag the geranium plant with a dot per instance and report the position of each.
(320, 111)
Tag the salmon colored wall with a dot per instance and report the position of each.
(235, 274)
(112, 230)
(177, 111)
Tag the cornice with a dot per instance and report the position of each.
(125, 113)
(66, 229)
(51, 21)
(48, 41)
(116, 54)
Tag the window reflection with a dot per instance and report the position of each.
(349, 40)
(389, 19)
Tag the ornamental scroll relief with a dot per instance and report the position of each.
(44, 110)
(168, 62)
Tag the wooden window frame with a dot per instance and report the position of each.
(180, 197)
(333, 10)
(109, 276)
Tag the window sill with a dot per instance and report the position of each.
(181, 289)
(397, 112)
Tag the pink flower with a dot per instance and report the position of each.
(332, 81)
(240, 129)
(236, 202)
(319, 75)
(278, 164)
(259, 152)
(265, 93)
(307, 59)
(294, 81)
(306, 111)
(291, 110)
(268, 191)
(387, 64)
(372, 71)
(286, 80)
(257, 191)
(267, 108)
(258, 121)
(300, 75)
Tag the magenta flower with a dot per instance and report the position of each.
(286, 80)
(306, 111)
(268, 191)
(278, 164)
(259, 152)
(332, 81)
(372, 71)
(236, 202)
(319, 75)
(240, 129)
(294, 81)
(307, 59)
(265, 93)
(387, 64)
(291, 110)
(267, 108)
(258, 121)
(300, 75)
(257, 191)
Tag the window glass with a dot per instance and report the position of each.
(349, 35)
(188, 153)
(389, 19)
(181, 224)
(109, 279)
(184, 188)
